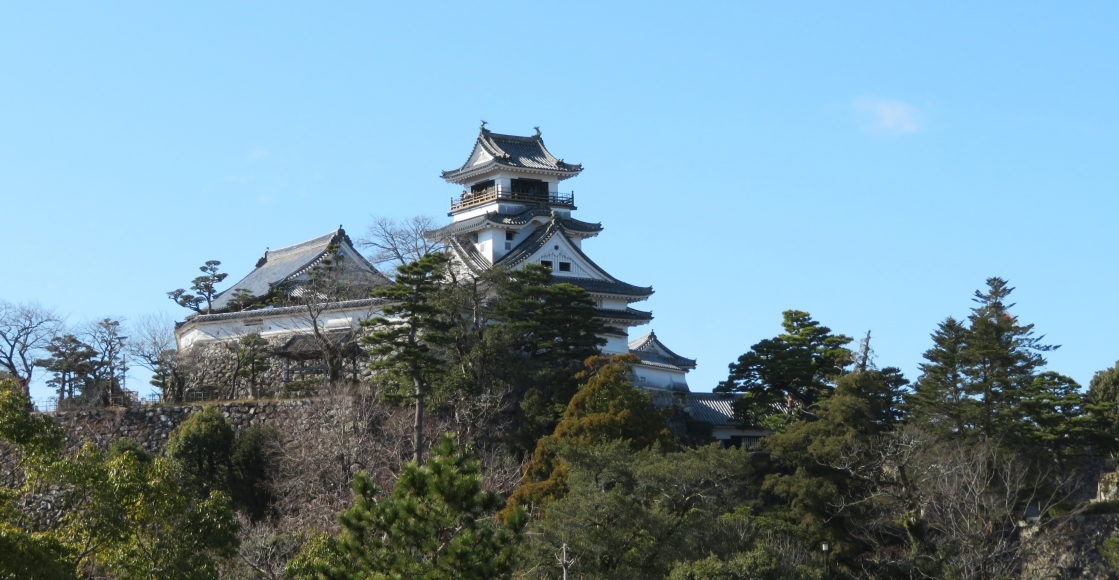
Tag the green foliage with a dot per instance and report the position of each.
(204, 286)
(1110, 552)
(37, 436)
(251, 462)
(782, 378)
(634, 514)
(321, 552)
(71, 362)
(131, 517)
(940, 400)
(1103, 392)
(201, 449)
(549, 329)
(404, 339)
(757, 564)
(33, 556)
(797, 474)
(436, 525)
(126, 512)
(1002, 357)
(607, 408)
(252, 360)
(1061, 420)
(208, 458)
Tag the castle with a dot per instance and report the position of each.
(511, 212)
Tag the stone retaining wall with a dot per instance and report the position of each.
(150, 426)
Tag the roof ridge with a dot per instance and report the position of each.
(305, 244)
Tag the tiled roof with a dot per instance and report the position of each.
(714, 408)
(285, 311)
(508, 220)
(284, 264)
(627, 314)
(512, 151)
(650, 349)
(465, 250)
(605, 286)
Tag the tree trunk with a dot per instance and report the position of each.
(419, 424)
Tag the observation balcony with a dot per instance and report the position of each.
(471, 199)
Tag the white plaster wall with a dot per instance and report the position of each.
(269, 326)
(616, 345)
(660, 378)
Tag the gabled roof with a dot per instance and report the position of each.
(286, 264)
(650, 349)
(465, 250)
(494, 150)
(496, 219)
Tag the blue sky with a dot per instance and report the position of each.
(871, 163)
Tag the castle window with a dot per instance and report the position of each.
(510, 235)
(533, 188)
(481, 186)
(546, 263)
(565, 266)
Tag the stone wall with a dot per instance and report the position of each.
(150, 426)
(211, 367)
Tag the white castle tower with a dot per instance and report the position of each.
(511, 212)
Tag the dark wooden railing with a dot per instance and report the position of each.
(470, 199)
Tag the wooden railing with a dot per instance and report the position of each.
(470, 199)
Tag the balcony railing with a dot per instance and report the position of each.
(470, 199)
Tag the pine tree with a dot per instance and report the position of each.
(204, 286)
(405, 339)
(549, 329)
(1002, 358)
(940, 399)
(71, 362)
(437, 525)
(783, 377)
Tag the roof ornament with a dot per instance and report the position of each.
(483, 127)
(537, 135)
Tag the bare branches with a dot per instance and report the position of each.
(396, 243)
(25, 329)
(948, 509)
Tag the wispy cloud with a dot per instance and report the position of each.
(258, 153)
(887, 116)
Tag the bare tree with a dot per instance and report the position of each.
(108, 341)
(947, 510)
(25, 330)
(152, 345)
(330, 281)
(395, 243)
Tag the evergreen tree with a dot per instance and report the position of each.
(201, 449)
(71, 362)
(406, 338)
(205, 288)
(252, 360)
(607, 408)
(1002, 359)
(940, 398)
(437, 525)
(783, 377)
(550, 329)
(1103, 393)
